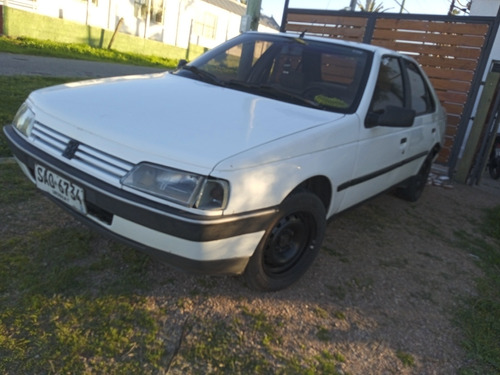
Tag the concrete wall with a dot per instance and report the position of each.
(28, 24)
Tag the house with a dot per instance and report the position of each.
(206, 23)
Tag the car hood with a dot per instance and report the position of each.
(170, 120)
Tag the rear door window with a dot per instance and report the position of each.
(420, 94)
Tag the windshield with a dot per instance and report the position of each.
(317, 74)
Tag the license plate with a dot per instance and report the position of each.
(59, 187)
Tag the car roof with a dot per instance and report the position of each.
(367, 47)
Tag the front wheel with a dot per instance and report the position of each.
(289, 245)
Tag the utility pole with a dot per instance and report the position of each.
(88, 11)
(253, 13)
(352, 6)
(147, 19)
(250, 21)
(284, 17)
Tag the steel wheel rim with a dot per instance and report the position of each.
(289, 240)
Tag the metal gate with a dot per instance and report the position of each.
(452, 50)
(483, 134)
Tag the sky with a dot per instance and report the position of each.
(275, 7)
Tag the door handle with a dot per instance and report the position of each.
(403, 140)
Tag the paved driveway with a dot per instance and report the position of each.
(14, 64)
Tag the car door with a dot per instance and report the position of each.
(382, 150)
(422, 134)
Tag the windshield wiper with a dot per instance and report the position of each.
(204, 75)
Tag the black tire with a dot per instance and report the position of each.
(494, 168)
(416, 184)
(290, 244)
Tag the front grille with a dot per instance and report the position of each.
(86, 158)
(49, 139)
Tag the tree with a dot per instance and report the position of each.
(253, 12)
(371, 6)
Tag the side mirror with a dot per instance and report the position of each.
(392, 116)
(181, 63)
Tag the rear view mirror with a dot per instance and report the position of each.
(392, 116)
(181, 63)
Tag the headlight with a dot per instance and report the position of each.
(24, 119)
(188, 189)
(213, 195)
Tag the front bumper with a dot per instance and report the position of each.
(207, 244)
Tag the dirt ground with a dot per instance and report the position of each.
(385, 286)
(404, 277)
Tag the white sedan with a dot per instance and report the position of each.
(233, 163)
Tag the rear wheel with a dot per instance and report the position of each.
(494, 168)
(290, 244)
(416, 184)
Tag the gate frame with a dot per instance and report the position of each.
(476, 83)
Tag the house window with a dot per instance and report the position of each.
(156, 13)
(206, 26)
(140, 8)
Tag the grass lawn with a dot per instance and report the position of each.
(62, 307)
(48, 48)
